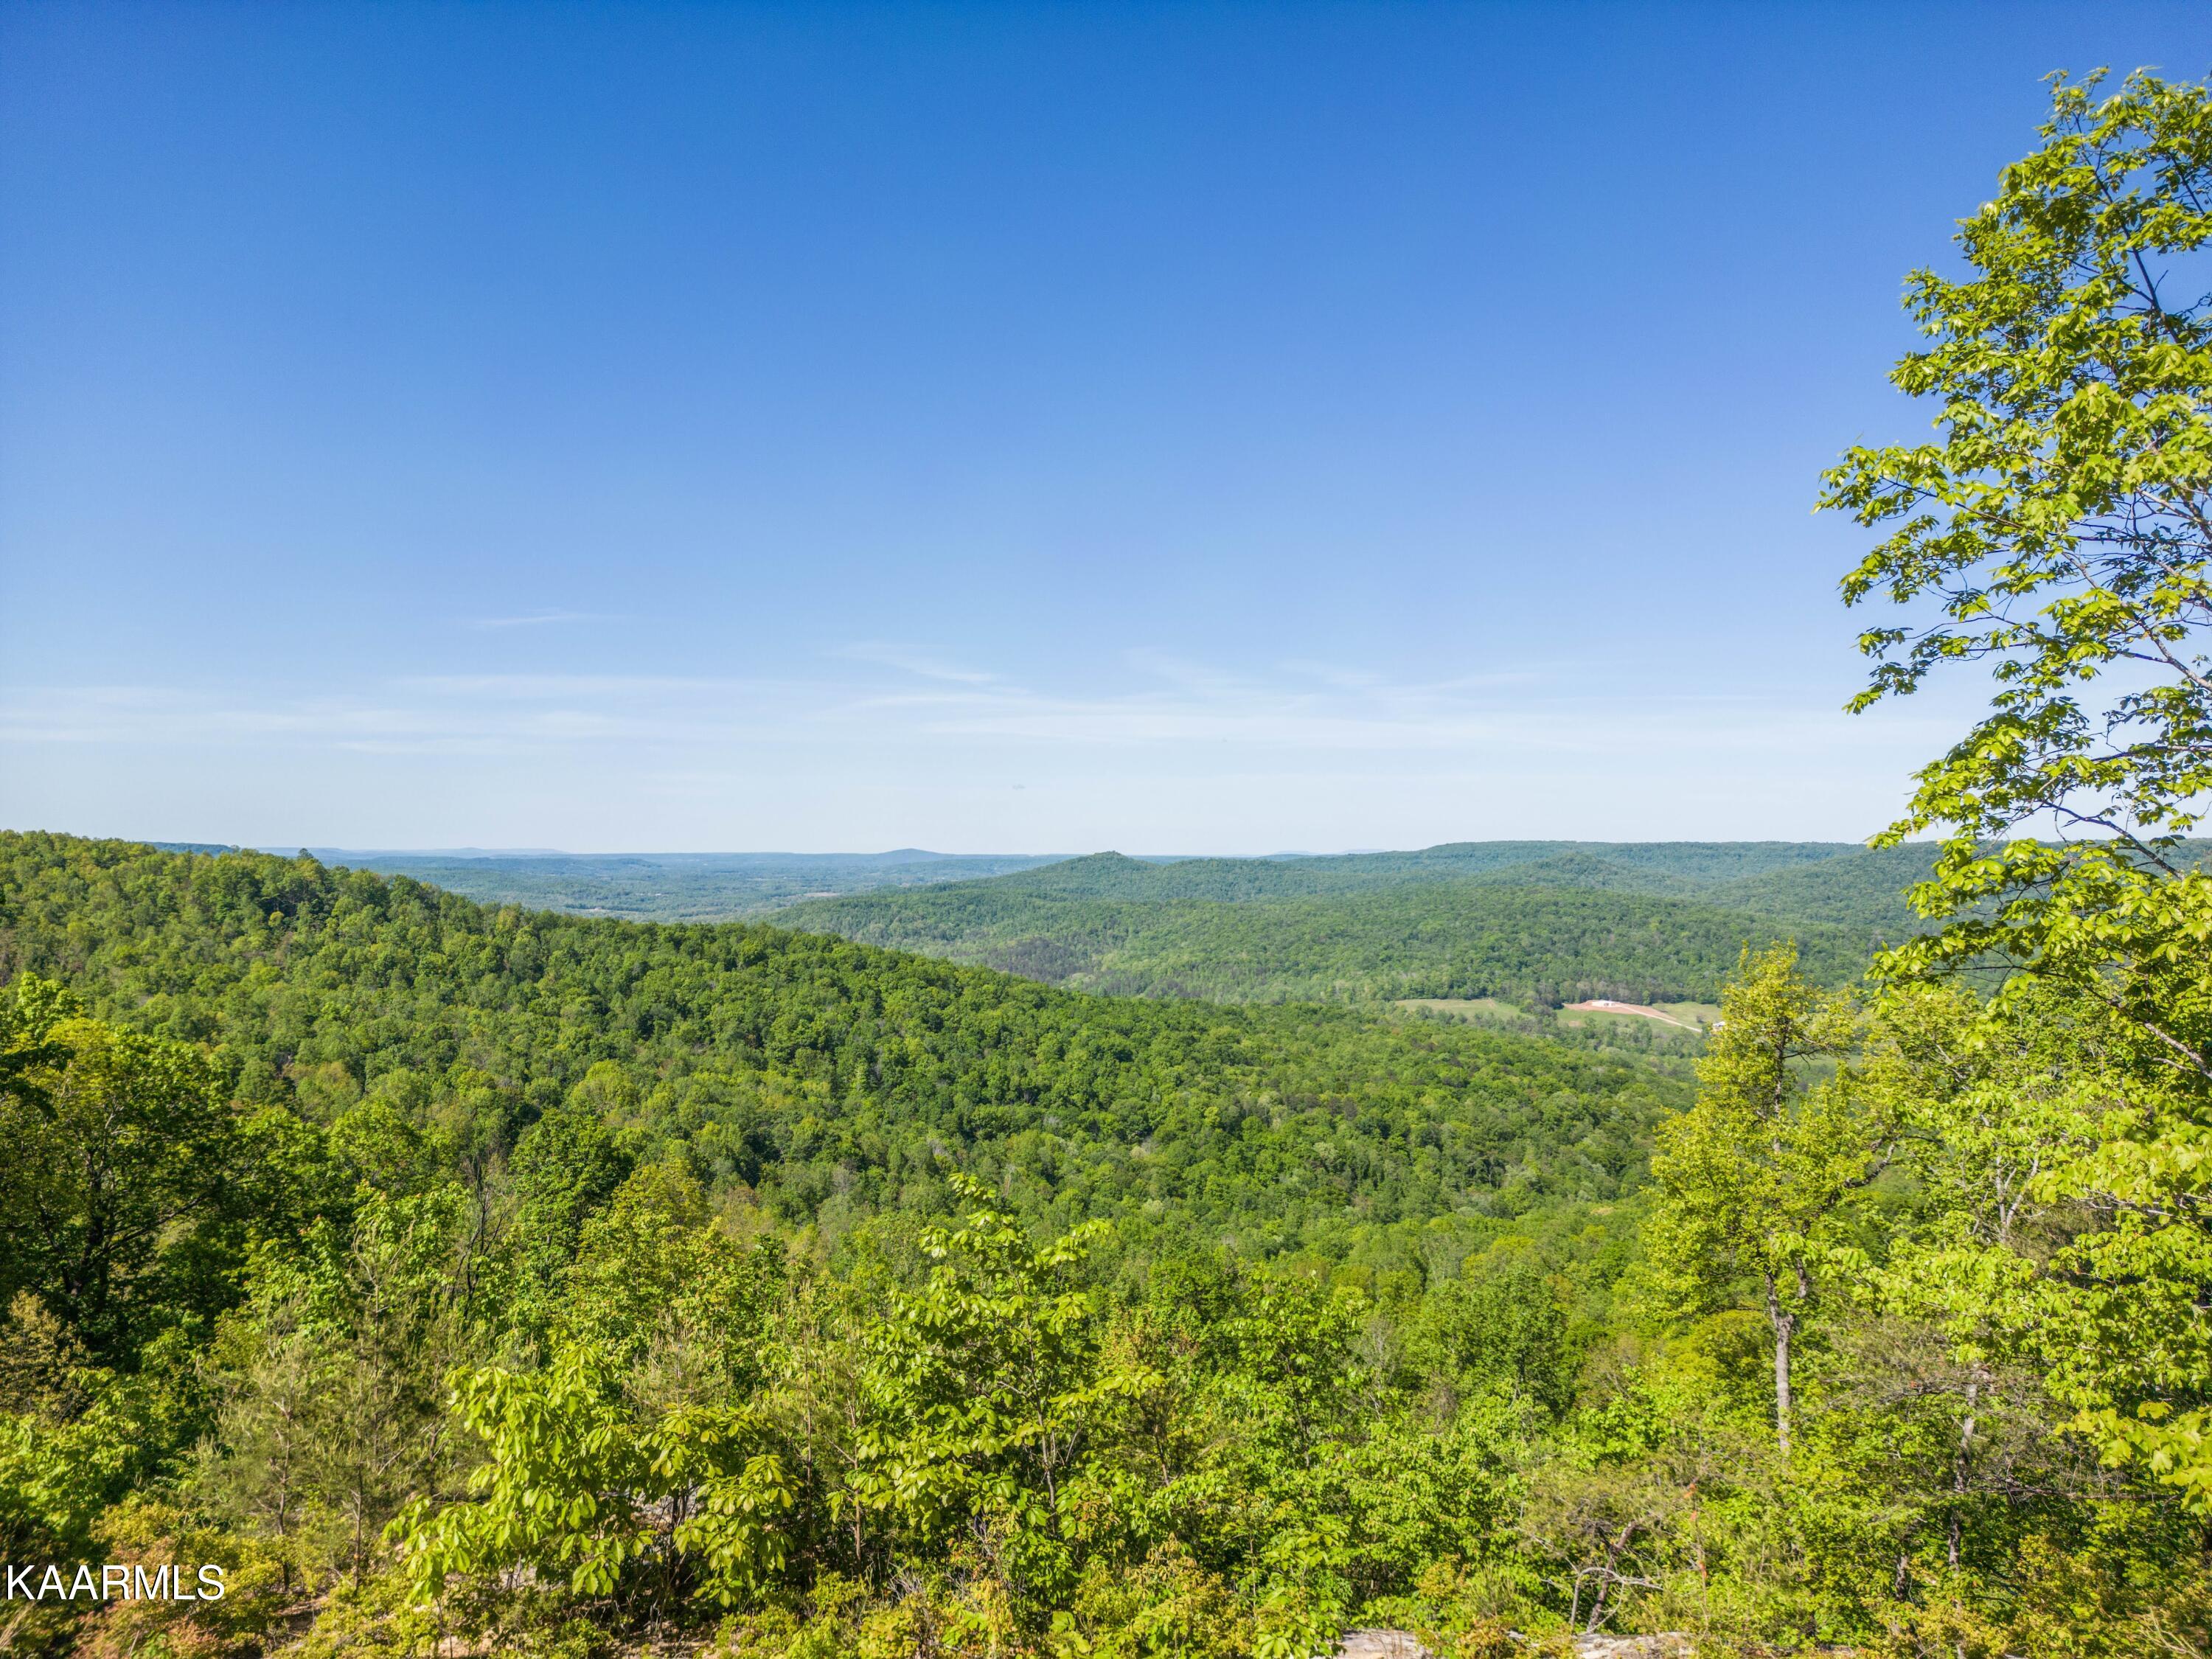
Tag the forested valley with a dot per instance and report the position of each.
(1534, 933)
(1530, 923)
(461, 1278)
(446, 1270)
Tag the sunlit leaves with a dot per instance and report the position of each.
(2060, 533)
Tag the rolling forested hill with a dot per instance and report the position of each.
(727, 886)
(316, 1176)
(434, 1269)
(831, 1080)
(1529, 922)
(1470, 938)
(1649, 866)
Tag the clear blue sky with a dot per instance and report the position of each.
(1171, 427)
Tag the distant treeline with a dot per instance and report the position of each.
(1525, 922)
(668, 886)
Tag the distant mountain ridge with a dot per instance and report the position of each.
(1532, 922)
(1837, 881)
(1636, 867)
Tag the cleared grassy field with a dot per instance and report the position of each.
(1467, 1007)
(1639, 1031)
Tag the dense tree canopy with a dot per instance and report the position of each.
(828, 1077)
(1546, 942)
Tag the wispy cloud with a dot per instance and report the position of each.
(1154, 753)
(539, 688)
(535, 619)
(909, 661)
(1161, 704)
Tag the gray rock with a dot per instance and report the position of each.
(1397, 1644)
(1380, 1645)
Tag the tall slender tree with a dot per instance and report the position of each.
(1752, 1178)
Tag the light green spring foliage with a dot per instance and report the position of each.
(112, 1180)
(606, 1457)
(2060, 1218)
(576, 1481)
(1753, 1178)
(997, 1419)
(984, 1438)
(983, 1388)
(2059, 535)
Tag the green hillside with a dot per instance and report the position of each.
(443, 1273)
(1529, 922)
(830, 1079)
(1645, 866)
(325, 1190)
(1532, 922)
(728, 886)
(1479, 938)
(1863, 888)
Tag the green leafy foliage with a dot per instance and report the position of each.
(111, 1196)
(605, 1278)
(2057, 537)
(1753, 1177)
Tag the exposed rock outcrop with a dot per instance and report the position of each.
(1380, 1645)
(1398, 1644)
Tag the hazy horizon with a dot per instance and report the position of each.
(330, 850)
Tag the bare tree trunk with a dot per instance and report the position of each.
(1785, 1326)
(1959, 1471)
(1609, 1577)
